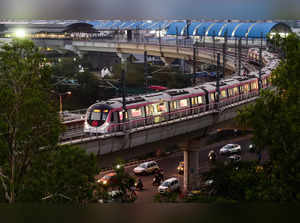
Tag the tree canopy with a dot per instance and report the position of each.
(275, 119)
(28, 118)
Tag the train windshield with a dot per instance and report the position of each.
(97, 116)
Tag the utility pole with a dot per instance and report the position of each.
(123, 75)
(235, 53)
(188, 23)
(218, 81)
(194, 63)
(159, 38)
(224, 53)
(240, 55)
(204, 30)
(145, 70)
(214, 46)
(260, 63)
(177, 39)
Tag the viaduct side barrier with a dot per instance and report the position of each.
(153, 49)
(101, 145)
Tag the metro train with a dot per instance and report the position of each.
(107, 116)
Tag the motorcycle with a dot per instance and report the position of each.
(156, 181)
(139, 185)
(212, 157)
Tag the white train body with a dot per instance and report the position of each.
(107, 116)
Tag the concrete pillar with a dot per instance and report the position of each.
(191, 170)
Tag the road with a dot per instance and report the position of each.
(169, 166)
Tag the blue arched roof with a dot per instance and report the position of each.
(215, 29)
(260, 30)
(201, 30)
(191, 28)
(176, 27)
(236, 29)
(242, 29)
(228, 28)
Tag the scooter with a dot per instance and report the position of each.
(139, 185)
(156, 181)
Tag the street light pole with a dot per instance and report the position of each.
(60, 100)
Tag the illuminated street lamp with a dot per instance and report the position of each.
(20, 33)
(60, 99)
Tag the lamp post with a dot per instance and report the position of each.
(60, 99)
(60, 95)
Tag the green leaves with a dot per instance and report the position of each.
(275, 119)
(28, 118)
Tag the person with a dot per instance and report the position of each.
(160, 174)
(140, 184)
(212, 155)
(259, 157)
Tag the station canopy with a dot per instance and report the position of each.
(196, 28)
(222, 29)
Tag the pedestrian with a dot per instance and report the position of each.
(259, 157)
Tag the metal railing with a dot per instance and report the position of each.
(162, 119)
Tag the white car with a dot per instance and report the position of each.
(230, 148)
(169, 185)
(146, 168)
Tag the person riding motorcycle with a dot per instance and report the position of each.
(212, 155)
(160, 174)
(139, 184)
(156, 180)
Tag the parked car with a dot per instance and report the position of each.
(169, 185)
(180, 167)
(107, 179)
(230, 148)
(146, 168)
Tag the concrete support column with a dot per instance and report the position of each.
(191, 170)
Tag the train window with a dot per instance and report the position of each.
(235, 91)
(149, 110)
(161, 107)
(96, 115)
(246, 88)
(212, 96)
(104, 114)
(173, 105)
(254, 85)
(183, 103)
(200, 100)
(121, 115)
(136, 112)
(230, 92)
(194, 100)
(242, 89)
(223, 94)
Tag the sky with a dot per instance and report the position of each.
(150, 9)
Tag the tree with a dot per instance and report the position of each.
(64, 175)
(275, 119)
(28, 118)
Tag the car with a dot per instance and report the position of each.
(169, 185)
(107, 179)
(234, 158)
(180, 167)
(230, 148)
(146, 168)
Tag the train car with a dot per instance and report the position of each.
(149, 109)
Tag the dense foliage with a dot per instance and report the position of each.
(32, 167)
(28, 119)
(275, 120)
